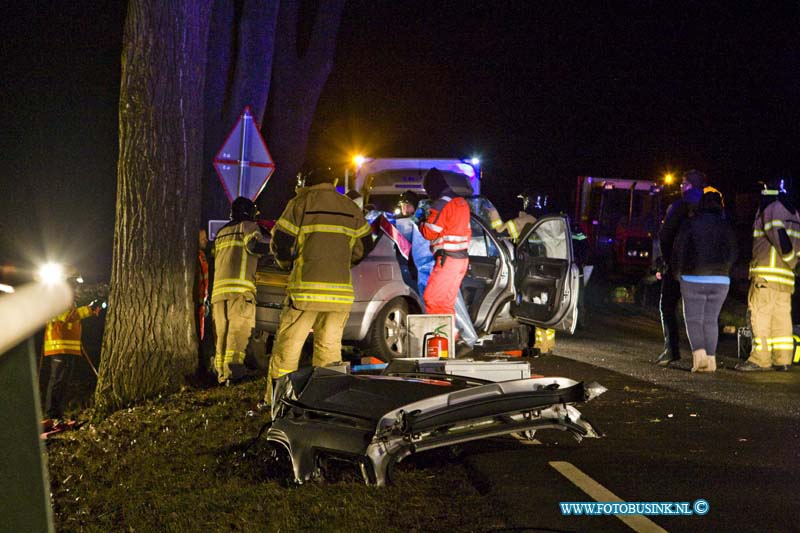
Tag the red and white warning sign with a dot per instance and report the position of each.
(244, 164)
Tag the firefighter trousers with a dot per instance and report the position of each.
(443, 286)
(292, 334)
(234, 320)
(771, 319)
(61, 366)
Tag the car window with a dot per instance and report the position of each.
(549, 240)
(481, 245)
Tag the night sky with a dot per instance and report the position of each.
(541, 91)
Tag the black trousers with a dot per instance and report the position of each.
(60, 371)
(668, 305)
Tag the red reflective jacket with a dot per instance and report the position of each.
(447, 226)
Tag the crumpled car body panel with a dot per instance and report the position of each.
(377, 421)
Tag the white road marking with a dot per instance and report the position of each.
(594, 489)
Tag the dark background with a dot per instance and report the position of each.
(541, 91)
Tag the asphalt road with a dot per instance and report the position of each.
(729, 438)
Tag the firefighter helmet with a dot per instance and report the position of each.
(773, 187)
(319, 176)
(535, 203)
(410, 197)
(243, 209)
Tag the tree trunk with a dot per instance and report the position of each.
(240, 51)
(149, 343)
(301, 67)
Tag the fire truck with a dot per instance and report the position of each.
(620, 218)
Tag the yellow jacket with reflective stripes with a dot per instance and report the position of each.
(771, 263)
(235, 260)
(321, 234)
(63, 334)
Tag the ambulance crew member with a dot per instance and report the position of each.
(448, 228)
(423, 260)
(237, 247)
(319, 236)
(776, 245)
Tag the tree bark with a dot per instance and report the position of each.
(149, 343)
(300, 70)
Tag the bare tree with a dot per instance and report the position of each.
(281, 88)
(241, 46)
(305, 48)
(149, 342)
(188, 69)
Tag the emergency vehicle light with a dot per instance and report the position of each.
(50, 273)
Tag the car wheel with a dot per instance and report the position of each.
(387, 335)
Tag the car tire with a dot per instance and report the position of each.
(387, 335)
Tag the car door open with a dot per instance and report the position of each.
(546, 278)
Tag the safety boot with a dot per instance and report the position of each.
(749, 366)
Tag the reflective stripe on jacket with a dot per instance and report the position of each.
(235, 260)
(771, 262)
(321, 233)
(448, 225)
(63, 334)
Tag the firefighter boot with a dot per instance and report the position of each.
(700, 361)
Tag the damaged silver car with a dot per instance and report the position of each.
(375, 421)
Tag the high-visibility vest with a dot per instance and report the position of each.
(770, 264)
(448, 226)
(327, 234)
(235, 260)
(62, 335)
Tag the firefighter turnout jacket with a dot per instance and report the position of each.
(776, 246)
(63, 334)
(237, 247)
(319, 236)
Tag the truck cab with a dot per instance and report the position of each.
(620, 218)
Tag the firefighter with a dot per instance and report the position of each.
(692, 185)
(62, 344)
(319, 236)
(515, 225)
(776, 245)
(533, 206)
(237, 247)
(448, 228)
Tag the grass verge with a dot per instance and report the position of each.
(188, 462)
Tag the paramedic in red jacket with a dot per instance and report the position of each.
(447, 227)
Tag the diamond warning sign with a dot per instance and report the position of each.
(244, 164)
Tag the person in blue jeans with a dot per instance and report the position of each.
(702, 256)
